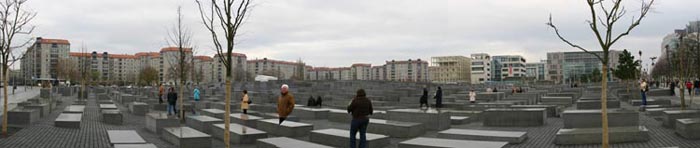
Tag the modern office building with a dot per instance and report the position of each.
(41, 58)
(450, 69)
(568, 67)
(511, 67)
(480, 68)
(537, 71)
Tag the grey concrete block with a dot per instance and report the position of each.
(433, 119)
(337, 115)
(22, 118)
(594, 135)
(423, 142)
(148, 145)
(592, 119)
(156, 121)
(688, 128)
(112, 117)
(595, 104)
(310, 113)
(670, 116)
(287, 128)
(552, 110)
(396, 129)
(202, 123)
(44, 108)
(138, 108)
(516, 117)
(216, 113)
(245, 119)
(284, 142)
(124, 137)
(239, 134)
(68, 120)
(185, 137)
(513, 137)
(340, 138)
(459, 120)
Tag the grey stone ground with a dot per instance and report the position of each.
(93, 132)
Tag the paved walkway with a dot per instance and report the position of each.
(20, 95)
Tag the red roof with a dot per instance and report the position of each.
(122, 56)
(174, 49)
(203, 58)
(361, 64)
(52, 41)
(151, 54)
(234, 55)
(273, 61)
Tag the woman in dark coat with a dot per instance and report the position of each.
(424, 98)
(438, 98)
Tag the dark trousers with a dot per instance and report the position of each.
(361, 126)
(644, 98)
(171, 107)
(245, 111)
(282, 119)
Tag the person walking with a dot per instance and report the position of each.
(697, 86)
(672, 87)
(424, 98)
(689, 86)
(172, 99)
(438, 98)
(285, 103)
(644, 88)
(245, 102)
(161, 94)
(319, 102)
(195, 95)
(360, 108)
(311, 102)
(472, 96)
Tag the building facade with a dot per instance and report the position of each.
(450, 69)
(480, 68)
(238, 68)
(41, 58)
(203, 70)
(510, 67)
(283, 70)
(407, 71)
(170, 57)
(537, 71)
(569, 67)
(361, 71)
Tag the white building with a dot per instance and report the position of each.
(170, 64)
(283, 70)
(41, 58)
(512, 66)
(407, 71)
(361, 71)
(238, 69)
(481, 68)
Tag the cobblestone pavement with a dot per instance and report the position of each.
(93, 132)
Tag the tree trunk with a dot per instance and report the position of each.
(182, 97)
(604, 105)
(5, 98)
(228, 111)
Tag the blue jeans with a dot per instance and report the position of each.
(644, 98)
(171, 109)
(361, 125)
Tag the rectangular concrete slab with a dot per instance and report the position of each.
(459, 120)
(594, 136)
(340, 138)
(138, 108)
(112, 117)
(108, 106)
(310, 113)
(438, 120)
(156, 121)
(74, 109)
(68, 120)
(514, 117)
(688, 128)
(202, 123)
(592, 119)
(423, 142)
(397, 129)
(284, 142)
(216, 113)
(287, 128)
(186, 137)
(245, 119)
(670, 116)
(135, 146)
(124, 137)
(513, 137)
(240, 134)
(20, 117)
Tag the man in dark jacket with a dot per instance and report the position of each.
(172, 98)
(360, 108)
(672, 88)
(319, 102)
(424, 98)
(311, 102)
(438, 98)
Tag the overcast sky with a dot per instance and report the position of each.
(338, 33)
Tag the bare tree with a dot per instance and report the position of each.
(180, 37)
(603, 26)
(148, 76)
(225, 16)
(14, 21)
